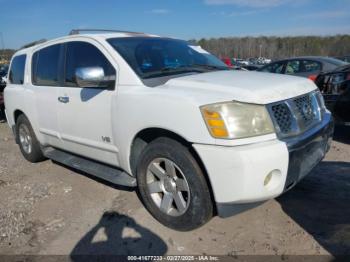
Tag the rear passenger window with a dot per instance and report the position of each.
(16, 74)
(45, 65)
(82, 54)
(311, 66)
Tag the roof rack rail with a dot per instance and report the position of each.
(77, 31)
(34, 43)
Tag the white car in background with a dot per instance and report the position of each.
(194, 137)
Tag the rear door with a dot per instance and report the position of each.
(85, 117)
(46, 71)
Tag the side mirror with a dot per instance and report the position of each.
(92, 77)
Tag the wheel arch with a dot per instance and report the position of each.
(17, 113)
(145, 136)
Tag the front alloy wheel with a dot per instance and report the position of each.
(28, 143)
(172, 186)
(168, 187)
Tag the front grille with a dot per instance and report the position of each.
(305, 108)
(296, 115)
(283, 116)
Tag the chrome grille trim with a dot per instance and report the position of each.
(296, 115)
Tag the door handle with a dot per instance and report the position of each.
(63, 99)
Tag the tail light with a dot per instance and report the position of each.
(312, 77)
(348, 76)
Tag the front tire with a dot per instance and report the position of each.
(28, 143)
(172, 185)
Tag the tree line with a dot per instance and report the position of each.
(5, 55)
(271, 47)
(276, 47)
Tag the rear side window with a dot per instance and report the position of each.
(302, 66)
(311, 66)
(16, 75)
(82, 54)
(45, 66)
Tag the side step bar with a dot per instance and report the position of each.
(91, 167)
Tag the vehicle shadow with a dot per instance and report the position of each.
(321, 205)
(342, 134)
(122, 236)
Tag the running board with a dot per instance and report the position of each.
(91, 167)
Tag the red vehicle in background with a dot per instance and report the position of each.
(227, 61)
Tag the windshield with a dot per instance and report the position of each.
(156, 57)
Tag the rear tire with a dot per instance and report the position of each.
(27, 141)
(172, 185)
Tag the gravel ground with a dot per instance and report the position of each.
(46, 208)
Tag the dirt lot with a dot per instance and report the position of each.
(46, 208)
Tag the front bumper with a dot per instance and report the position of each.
(307, 150)
(237, 174)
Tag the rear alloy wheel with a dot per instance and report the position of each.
(25, 138)
(172, 186)
(28, 144)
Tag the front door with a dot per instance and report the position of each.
(85, 118)
(46, 81)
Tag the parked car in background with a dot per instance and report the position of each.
(241, 62)
(258, 61)
(3, 74)
(227, 61)
(335, 88)
(263, 61)
(231, 63)
(251, 67)
(307, 66)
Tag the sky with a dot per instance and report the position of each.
(23, 21)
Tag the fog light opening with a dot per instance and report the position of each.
(267, 179)
(272, 179)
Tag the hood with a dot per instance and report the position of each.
(243, 86)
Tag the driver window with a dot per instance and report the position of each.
(83, 54)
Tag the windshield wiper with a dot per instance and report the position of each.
(199, 68)
(172, 70)
(211, 67)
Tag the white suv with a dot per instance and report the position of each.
(195, 137)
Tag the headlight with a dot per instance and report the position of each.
(321, 102)
(237, 120)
